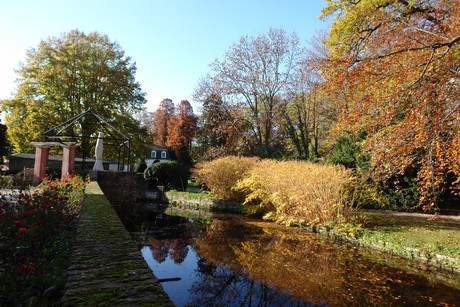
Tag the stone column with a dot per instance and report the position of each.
(41, 161)
(68, 160)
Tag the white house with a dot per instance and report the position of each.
(158, 154)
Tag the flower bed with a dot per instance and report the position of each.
(30, 227)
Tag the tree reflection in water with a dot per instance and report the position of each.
(240, 263)
(220, 286)
(177, 250)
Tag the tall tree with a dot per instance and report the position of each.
(160, 124)
(215, 116)
(395, 67)
(67, 75)
(307, 114)
(146, 120)
(253, 73)
(181, 129)
(221, 130)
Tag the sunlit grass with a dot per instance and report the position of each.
(437, 242)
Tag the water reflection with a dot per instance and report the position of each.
(233, 262)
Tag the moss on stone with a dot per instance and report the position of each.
(106, 267)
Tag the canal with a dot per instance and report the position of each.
(231, 260)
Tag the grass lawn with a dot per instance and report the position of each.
(414, 236)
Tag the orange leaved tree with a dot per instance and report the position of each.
(181, 129)
(160, 123)
(394, 69)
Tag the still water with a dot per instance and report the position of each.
(230, 260)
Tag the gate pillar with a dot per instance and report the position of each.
(41, 161)
(68, 160)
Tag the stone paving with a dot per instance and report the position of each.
(106, 267)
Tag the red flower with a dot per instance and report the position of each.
(19, 223)
(46, 204)
(26, 269)
(25, 214)
(22, 231)
(26, 197)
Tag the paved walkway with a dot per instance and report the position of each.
(106, 267)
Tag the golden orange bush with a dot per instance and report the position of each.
(221, 175)
(295, 191)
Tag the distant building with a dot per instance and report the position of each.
(19, 162)
(158, 154)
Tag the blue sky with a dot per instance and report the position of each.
(172, 41)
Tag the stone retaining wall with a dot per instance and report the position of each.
(203, 203)
(106, 267)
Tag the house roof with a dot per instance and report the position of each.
(156, 147)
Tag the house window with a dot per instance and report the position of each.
(163, 154)
(153, 154)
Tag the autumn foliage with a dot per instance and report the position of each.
(181, 128)
(221, 175)
(295, 191)
(288, 191)
(393, 72)
(160, 123)
(175, 127)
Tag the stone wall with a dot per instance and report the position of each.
(203, 203)
(124, 190)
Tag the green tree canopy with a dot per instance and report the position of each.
(67, 75)
(4, 144)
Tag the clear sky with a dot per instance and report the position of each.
(172, 41)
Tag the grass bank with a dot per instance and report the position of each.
(414, 236)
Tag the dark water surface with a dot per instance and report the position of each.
(230, 260)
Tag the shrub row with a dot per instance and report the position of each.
(287, 191)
